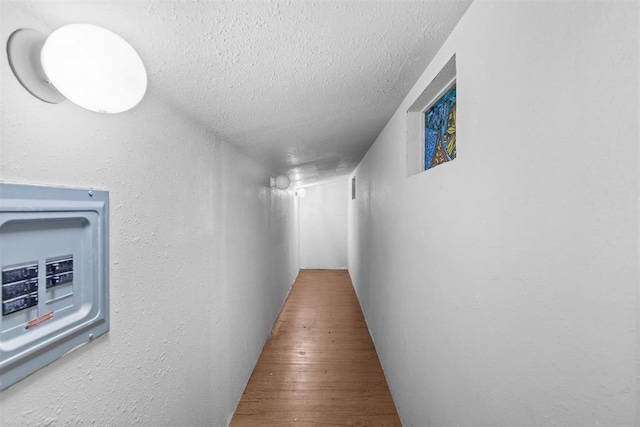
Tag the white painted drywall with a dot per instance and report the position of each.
(502, 288)
(323, 225)
(203, 253)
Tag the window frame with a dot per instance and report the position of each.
(441, 83)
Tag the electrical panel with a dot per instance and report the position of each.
(55, 282)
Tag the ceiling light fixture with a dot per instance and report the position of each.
(281, 181)
(89, 65)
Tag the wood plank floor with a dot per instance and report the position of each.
(319, 368)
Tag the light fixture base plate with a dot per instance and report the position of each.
(23, 50)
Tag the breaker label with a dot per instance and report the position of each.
(39, 320)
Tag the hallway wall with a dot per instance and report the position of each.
(195, 282)
(323, 225)
(502, 288)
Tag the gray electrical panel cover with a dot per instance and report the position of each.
(54, 262)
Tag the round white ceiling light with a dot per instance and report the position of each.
(281, 181)
(89, 65)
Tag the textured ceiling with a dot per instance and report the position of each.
(304, 87)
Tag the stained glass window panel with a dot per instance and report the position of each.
(440, 130)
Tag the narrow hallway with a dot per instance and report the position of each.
(320, 366)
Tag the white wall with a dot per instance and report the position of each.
(195, 283)
(502, 288)
(323, 226)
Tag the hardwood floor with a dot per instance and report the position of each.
(319, 368)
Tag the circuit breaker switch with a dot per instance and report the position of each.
(21, 273)
(60, 266)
